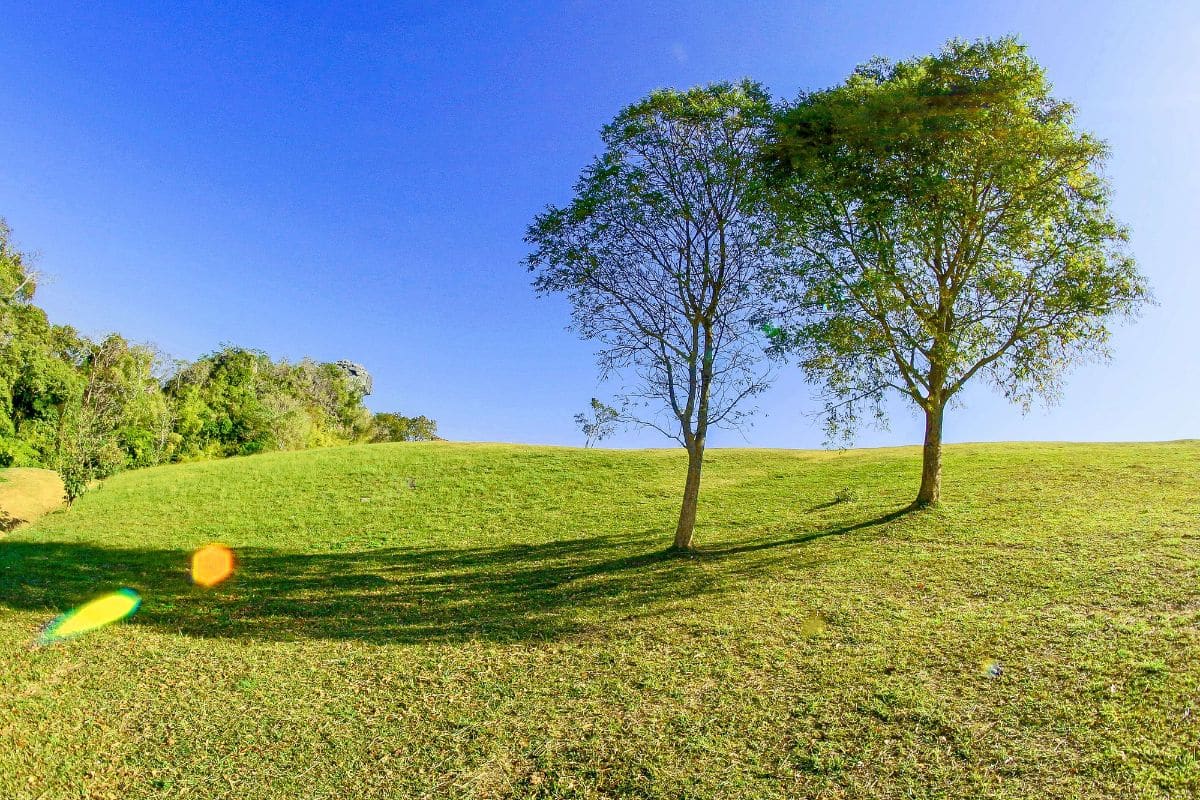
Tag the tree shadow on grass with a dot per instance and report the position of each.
(810, 536)
(388, 595)
(509, 593)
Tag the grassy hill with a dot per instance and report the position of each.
(26, 494)
(437, 620)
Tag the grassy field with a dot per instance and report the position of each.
(439, 620)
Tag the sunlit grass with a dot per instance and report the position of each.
(499, 621)
(26, 494)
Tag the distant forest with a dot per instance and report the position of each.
(89, 409)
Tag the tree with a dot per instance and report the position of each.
(601, 423)
(111, 423)
(658, 253)
(237, 402)
(18, 279)
(38, 364)
(220, 408)
(950, 222)
(388, 427)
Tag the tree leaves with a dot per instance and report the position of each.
(947, 220)
(659, 249)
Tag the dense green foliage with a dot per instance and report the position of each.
(488, 621)
(90, 409)
(119, 417)
(38, 364)
(388, 427)
(948, 220)
(238, 402)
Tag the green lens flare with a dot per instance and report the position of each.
(110, 608)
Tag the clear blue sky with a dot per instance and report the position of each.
(355, 183)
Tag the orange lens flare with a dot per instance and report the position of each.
(212, 564)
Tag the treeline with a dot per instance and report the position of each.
(89, 409)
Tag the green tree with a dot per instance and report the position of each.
(950, 221)
(219, 404)
(600, 425)
(38, 364)
(237, 402)
(18, 279)
(658, 252)
(334, 399)
(389, 427)
(113, 421)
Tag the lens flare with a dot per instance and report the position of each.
(211, 564)
(95, 614)
(813, 625)
(991, 668)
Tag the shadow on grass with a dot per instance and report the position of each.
(811, 535)
(510, 593)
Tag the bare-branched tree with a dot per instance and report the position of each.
(659, 253)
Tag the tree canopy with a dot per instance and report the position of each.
(658, 254)
(948, 221)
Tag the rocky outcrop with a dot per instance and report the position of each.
(357, 374)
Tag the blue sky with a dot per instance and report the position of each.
(354, 182)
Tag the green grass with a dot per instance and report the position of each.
(507, 624)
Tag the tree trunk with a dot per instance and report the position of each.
(931, 466)
(691, 494)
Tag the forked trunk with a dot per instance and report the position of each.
(691, 494)
(931, 466)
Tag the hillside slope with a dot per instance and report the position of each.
(26, 494)
(440, 620)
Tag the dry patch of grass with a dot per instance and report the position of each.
(26, 494)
